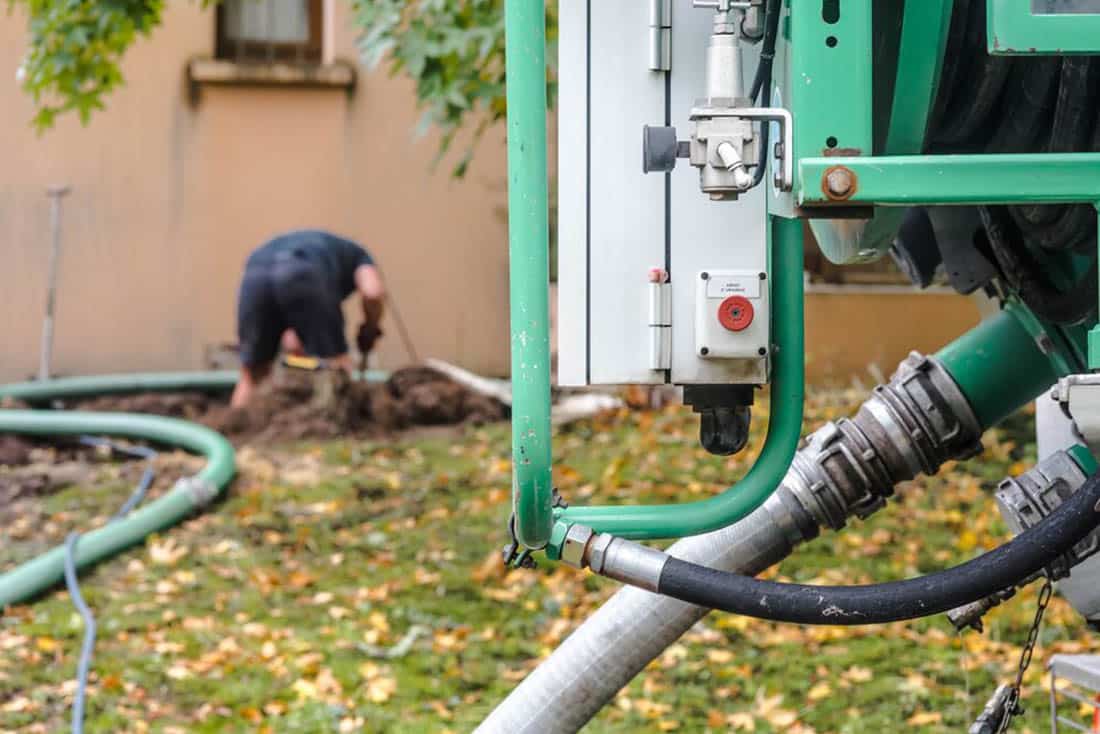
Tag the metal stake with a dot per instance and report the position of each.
(56, 193)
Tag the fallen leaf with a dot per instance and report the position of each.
(924, 718)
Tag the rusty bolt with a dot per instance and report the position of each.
(840, 182)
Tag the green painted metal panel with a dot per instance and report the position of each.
(920, 59)
(1029, 27)
(823, 74)
(1037, 178)
(923, 37)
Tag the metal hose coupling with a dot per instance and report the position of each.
(200, 490)
(1023, 502)
(912, 424)
(616, 558)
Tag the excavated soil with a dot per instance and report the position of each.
(292, 405)
(189, 406)
(14, 450)
(295, 405)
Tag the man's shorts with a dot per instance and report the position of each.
(287, 293)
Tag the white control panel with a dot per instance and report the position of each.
(732, 315)
(631, 245)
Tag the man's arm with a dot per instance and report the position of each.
(372, 293)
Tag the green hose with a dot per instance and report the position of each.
(40, 574)
(784, 426)
(75, 388)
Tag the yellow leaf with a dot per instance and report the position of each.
(819, 692)
(18, 705)
(741, 721)
(166, 552)
(47, 644)
(924, 718)
(668, 725)
(380, 688)
(305, 689)
(378, 621)
(856, 674)
(968, 540)
(781, 718)
(721, 657)
(178, 672)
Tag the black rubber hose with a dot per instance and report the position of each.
(762, 85)
(763, 73)
(1002, 568)
(995, 104)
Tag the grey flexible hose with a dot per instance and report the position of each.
(73, 584)
(88, 644)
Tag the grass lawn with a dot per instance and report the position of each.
(348, 586)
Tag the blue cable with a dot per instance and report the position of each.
(71, 583)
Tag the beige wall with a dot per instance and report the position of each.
(168, 197)
(864, 332)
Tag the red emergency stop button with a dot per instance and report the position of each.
(736, 313)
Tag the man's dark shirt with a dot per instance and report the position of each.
(297, 281)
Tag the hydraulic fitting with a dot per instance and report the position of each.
(1023, 502)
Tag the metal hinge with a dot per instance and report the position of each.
(660, 35)
(660, 320)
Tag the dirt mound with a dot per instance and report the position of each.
(14, 450)
(189, 406)
(296, 405)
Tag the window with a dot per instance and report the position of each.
(289, 31)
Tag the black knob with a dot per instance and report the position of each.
(659, 148)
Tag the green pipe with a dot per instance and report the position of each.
(40, 574)
(641, 522)
(529, 269)
(74, 388)
(1013, 345)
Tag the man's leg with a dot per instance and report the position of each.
(312, 312)
(249, 378)
(260, 326)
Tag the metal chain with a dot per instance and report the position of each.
(1013, 707)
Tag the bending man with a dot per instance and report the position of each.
(291, 295)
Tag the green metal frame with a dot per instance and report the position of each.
(925, 25)
(529, 270)
(825, 80)
(784, 425)
(831, 77)
(1033, 178)
(1013, 29)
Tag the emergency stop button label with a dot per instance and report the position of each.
(723, 286)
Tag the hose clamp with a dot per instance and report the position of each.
(200, 491)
